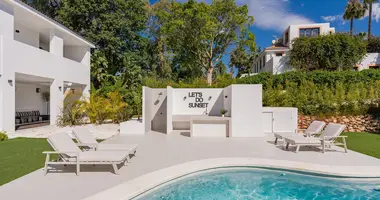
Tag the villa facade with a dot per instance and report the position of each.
(274, 59)
(38, 57)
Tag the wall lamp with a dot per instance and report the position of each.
(184, 98)
(10, 81)
(209, 98)
(60, 88)
(226, 96)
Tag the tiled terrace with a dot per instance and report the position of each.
(157, 151)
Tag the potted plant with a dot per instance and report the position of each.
(223, 111)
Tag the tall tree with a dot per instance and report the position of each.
(47, 7)
(354, 10)
(368, 5)
(199, 34)
(115, 26)
(245, 52)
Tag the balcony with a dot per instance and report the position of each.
(23, 58)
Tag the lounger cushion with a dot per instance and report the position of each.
(117, 147)
(285, 134)
(84, 136)
(294, 139)
(62, 142)
(102, 156)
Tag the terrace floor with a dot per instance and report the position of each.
(157, 151)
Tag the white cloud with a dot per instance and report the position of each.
(375, 12)
(334, 18)
(271, 14)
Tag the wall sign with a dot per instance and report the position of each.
(198, 100)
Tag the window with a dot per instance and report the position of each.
(374, 67)
(279, 54)
(309, 32)
(263, 61)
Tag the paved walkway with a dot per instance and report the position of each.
(157, 151)
(103, 131)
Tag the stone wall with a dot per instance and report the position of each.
(353, 123)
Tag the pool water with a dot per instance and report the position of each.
(246, 184)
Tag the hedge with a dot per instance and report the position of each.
(313, 93)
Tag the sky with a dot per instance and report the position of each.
(272, 17)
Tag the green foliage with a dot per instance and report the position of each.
(373, 45)
(102, 107)
(72, 113)
(327, 52)
(354, 10)
(196, 35)
(3, 136)
(223, 111)
(115, 27)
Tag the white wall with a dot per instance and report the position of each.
(6, 20)
(169, 116)
(280, 119)
(16, 57)
(324, 29)
(227, 96)
(77, 53)
(246, 106)
(370, 59)
(155, 109)
(27, 99)
(212, 97)
(26, 35)
(56, 44)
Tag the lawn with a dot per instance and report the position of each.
(366, 143)
(21, 156)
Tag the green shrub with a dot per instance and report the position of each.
(3, 136)
(373, 45)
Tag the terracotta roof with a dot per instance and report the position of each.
(277, 47)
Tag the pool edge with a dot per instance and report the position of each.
(146, 182)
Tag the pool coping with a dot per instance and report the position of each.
(139, 185)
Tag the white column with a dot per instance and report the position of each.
(169, 117)
(87, 57)
(56, 100)
(7, 102)
(6, 20)
(56, 44)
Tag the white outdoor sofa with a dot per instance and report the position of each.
(70, 154)
(328, 137)
(314, 128)
(84, 137)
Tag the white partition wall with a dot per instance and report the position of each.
(197, 101)
(146, 108)
(227, 95)
(246, 106)
(154, 109)
(169, 114)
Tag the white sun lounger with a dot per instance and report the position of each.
(70, 153)
(327, 138)
(314, 128)
(84, 137)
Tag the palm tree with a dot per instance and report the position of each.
(354, 10)
(368, 5)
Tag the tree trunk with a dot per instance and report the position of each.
(370, 21)
(351, 26)
(209, 75)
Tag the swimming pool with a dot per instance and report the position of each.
(247, 184)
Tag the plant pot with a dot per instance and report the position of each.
(222, 115)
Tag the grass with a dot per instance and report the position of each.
(365, 143)
(21, 156)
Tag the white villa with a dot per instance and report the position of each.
(274, 58)
(38, 55)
